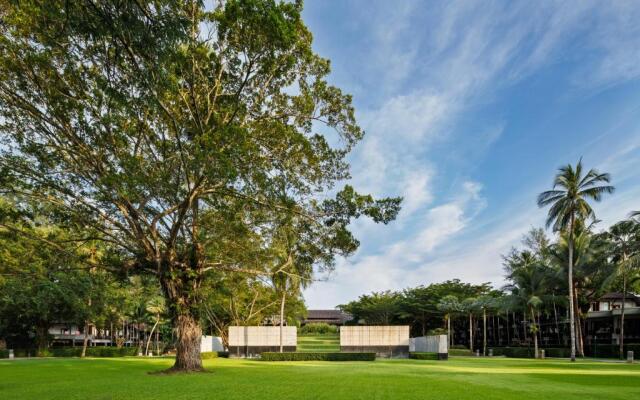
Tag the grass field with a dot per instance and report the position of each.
(327, 343)
(458, 378)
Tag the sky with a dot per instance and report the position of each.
(469, 108)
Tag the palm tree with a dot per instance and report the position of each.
(484, 303)
(450, 306)
(155, 307)
(625, 246)
(568, 201)
(529, 287)
(469, 306)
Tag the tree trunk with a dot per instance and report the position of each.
(535, 333)
(508, 330)
(624, 300)
(484, 335)
(85, 342)
(146, 350)
(284, 296)
(188, 338)
(578, 319)
(42, 333)
(555, 316)
(470, 332)
(572, 321)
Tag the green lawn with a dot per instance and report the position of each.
(458, 378)
(326, 343)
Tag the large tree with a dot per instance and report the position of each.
(178, 135)
(572, 188)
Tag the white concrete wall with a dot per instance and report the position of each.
(374, 335)
(262, 336)
(429, 344)
(211, 343)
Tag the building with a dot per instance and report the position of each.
(603, 319)
(331, 317)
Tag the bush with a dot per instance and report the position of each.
(318, 328)
(423, 356)
(208, 355)
(92, 351)
(4, 353)
(460, 352)
(318, 356)
(527, 352)
(459, 347)
(611, 350)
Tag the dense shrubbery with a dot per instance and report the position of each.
(318, 356)
(527, 352)
(423, 356)
(319, 328)
(460, 352)
(459, 347)
(4, 353)
(612, 350)
(207, 355)
(91, 352)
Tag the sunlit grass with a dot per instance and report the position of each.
(458, 378)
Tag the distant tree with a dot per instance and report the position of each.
(378, 308)
(624, 237)
(568, 201)
(450, 306)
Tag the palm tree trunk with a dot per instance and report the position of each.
(85, 342)
(284, 295)
(470, 332)
(484, 327)
(579, 342)
(535, 333)
(449, 329)
(555, 315)
(624, 300)
(572, 324)
(146, 350)
(508, 329)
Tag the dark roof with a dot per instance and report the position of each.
(618, 296)
(328, 314)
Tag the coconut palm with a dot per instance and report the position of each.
(450, 306)
(155, 307)
(625, 248)
(569, 202)
(529, 288)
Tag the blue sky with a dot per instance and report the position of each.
(469, 108)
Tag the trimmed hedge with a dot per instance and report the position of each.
(611, 350)
(92, 351)
(423, 356)
(318, 328)
(208, 355)
(527, 352)
(4, 353)
(460, 352)
(318, 356)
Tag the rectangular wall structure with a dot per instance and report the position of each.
(385, 341)
(430, 344)
(211, 343)
(250, 341)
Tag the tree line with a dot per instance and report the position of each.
(551, 282)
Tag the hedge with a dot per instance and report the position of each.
(4, 353)
(207, 355)
(318, 328)
(93, 351)
(460, 352)
(423, 356)
(611, 350)
(527, 352)
(318, 356)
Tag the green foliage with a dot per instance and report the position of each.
(461, 352)
(318, 356)
(101, 351)
(423, 356)
(318, 328)
(208, 355)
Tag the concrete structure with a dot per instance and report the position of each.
(331, 317)
(430, 344)
(211, 343)
(385, 341)
(250, 341)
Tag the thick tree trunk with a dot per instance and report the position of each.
(188, 338)
(284, 297)
(572, 320)
(42, 333)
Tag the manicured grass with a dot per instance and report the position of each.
(458, 378)
(323, 343)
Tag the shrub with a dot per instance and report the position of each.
(318, 356)
(4, 353)
(93, 351)
(459, 347)
(318, 328)
(527, 352)
(423, 356)
(208, 355)
(460, 352)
